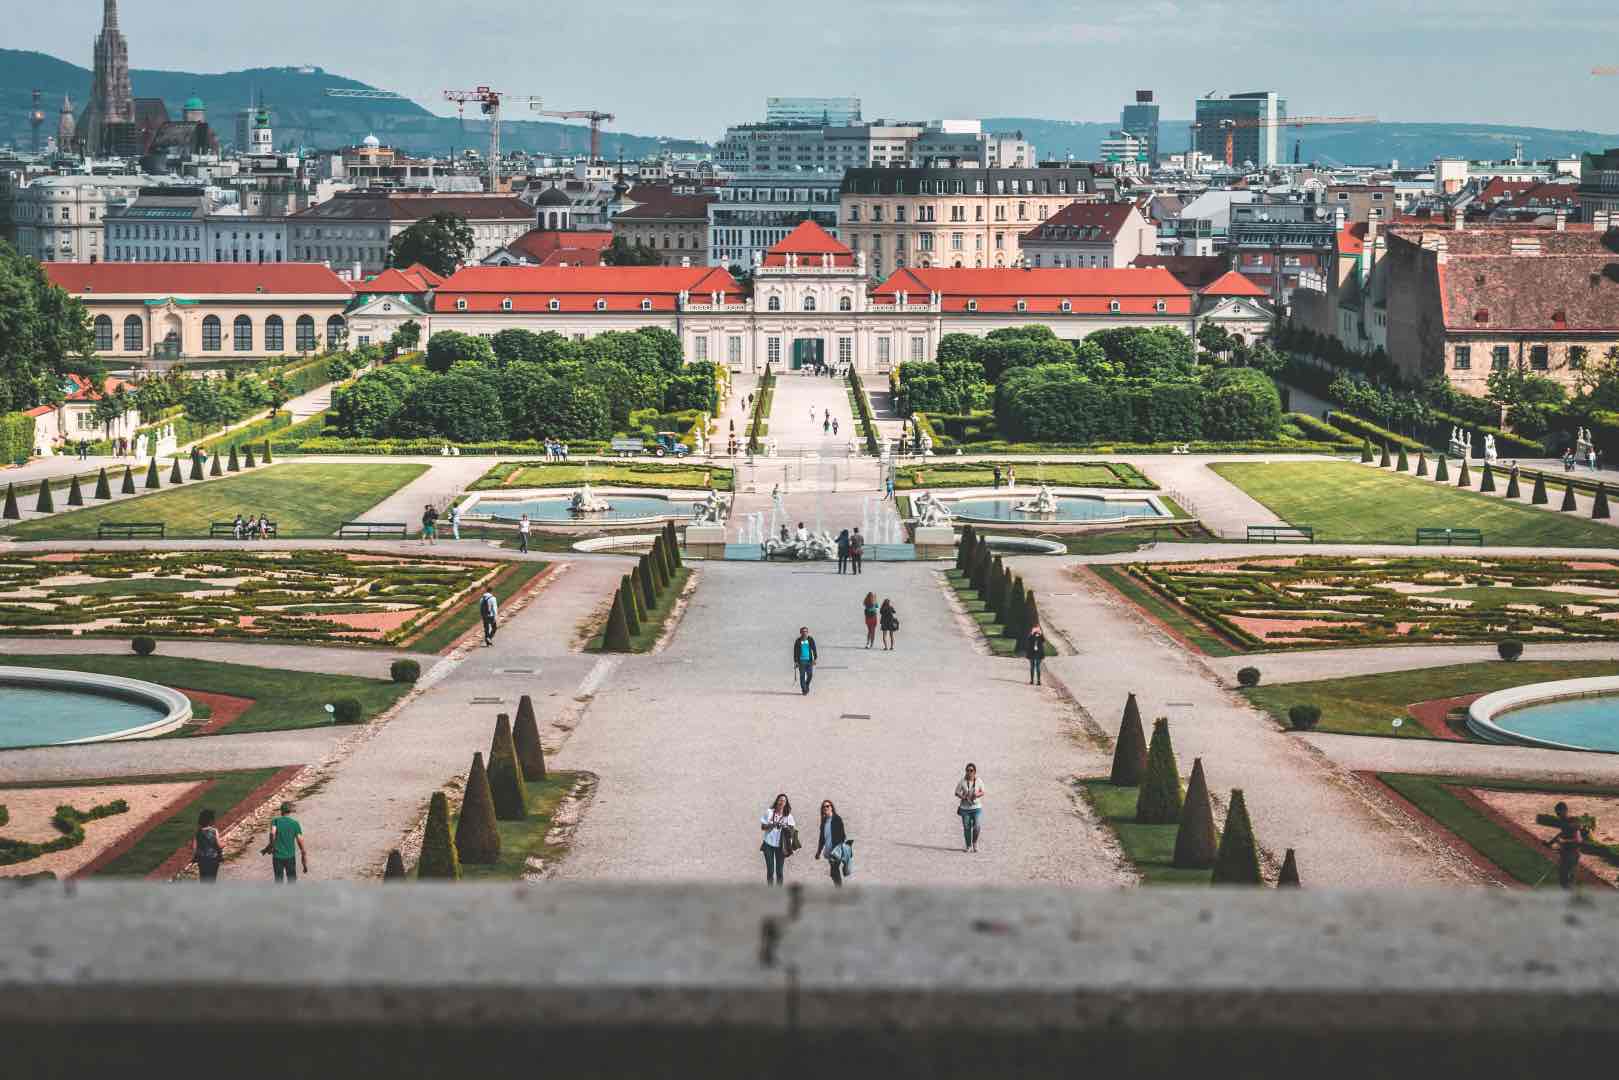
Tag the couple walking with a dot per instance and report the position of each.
(886, 617)
(851, 549)
(781, 840)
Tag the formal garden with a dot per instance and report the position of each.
(1325, 601)
(647, 474)
(1089, 474)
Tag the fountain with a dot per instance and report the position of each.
(1043, 503)
(584, 501)
(930, 510)
(712, 510)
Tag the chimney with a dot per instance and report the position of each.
(1560, 219)
(1458, 220)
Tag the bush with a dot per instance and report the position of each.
(406, 671)
(1130, 752)
(506, 785)
(439, 858)
(1509, 648)
(143, 645)
(1304, 717)
(476, 837)
(1289, 877)
(1238, 860)
(346, 711)
(1248, 676)
(526, 737)
(1195, 842)
(1159, 800)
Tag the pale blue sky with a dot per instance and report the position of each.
(689, 67)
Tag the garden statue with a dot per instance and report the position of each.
(930, 510)
(1489, 448)
(927, 444)
(814, 546)
(1042, 503)
(712, 510)
(584, 501)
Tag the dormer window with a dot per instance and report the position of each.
(601, 305)
(1067, 306)
(646, 305)
(1160, 307)
(506, 304)
(460, 303)
(1023, 305)
(553, 304)
(972, 305)
(1113, 306)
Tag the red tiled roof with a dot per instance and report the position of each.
(1232, 283)
(1496, 189)
(1193, 271)
(1547, 194)
(417, 270)
(195, 279)
(808, 238)
(1087, 291)
(38, 410)
(1352, 238)
(1083, 222)
(577, 288)
(561, 247)
(413, 206)
(391, 281)
(661, 204)
(1531, 293)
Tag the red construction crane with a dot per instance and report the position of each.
(596, 118)
(1230, 126)
(489, 102)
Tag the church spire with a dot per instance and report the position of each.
(109, 17)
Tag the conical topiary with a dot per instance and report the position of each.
(649, 590)
(1238, 860)
(1003, 613)
(616, 638)
(526, 737)
(11, 512)
(964, 549)
(196, 467)
(674, 544)
(994, 582)
(1130, 752)
(1383, 462)
(267, 458)
(439, 859)
(75, 495)
(1487, 484)
(1422, 463)
(103, 485)
(1513, 491)
(1403, 463)
(1568, 498)
(1031, 619)
(174, 473)
(1289, 877)
(1017, 624)
(1366, 451)
(981, 568)
(476, 838)
(1159, 800)
(637, 600)
(1441, 475)
(44, 504)
(152, 480)
(235, 465)
(626, 597)
(506, 784)
(247, 458)
(660, 566)
(1599, 509)
(128, 486)
(1538, 497)
(1195, 842)
(1463, 480)
(214, 468)
(395, 870)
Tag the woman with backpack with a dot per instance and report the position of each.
(834, 843)
(781, 836)
(869, 607)
(206, 851)
(888, 616)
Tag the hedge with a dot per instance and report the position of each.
(1506, 443)
(1320, 429)
(16, 437)
(1356, 426)
(864, 406)
(328, 444)
(1054, 402)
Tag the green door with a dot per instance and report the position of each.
(808, 352)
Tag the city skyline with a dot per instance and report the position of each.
(915, 62)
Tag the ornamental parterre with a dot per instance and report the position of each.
(1313, 602)
(308, 596)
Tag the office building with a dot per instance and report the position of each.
(820, 111)
(1598, 189)
(1251, 121)
(756, 211)
(1141, 120)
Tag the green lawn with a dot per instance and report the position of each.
(448, 630)
(282, 700)
(1172, 615)
(521, 839)
(302, 499)
(1150, 848)
(656, 618)
(1098, 474)
(1347, 502)
(1365, 704)
(524, 474)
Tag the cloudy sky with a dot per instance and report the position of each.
(689, 67)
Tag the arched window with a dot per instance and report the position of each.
(774, 303)
(460, 303)
(134, 334)
(1160, 306)
(1113, 306)
(210, 334)
(1023, 305)
(335, 332)
(1067, 305)
(306, 333)
(242, 334)
(103, 333)
(274, 336)
(845, 304)
(809, 302)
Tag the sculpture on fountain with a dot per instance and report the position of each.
(1489, 448)
(930, 510)
(711, 511)
(814, 546)
(584, 501)
(1042, 503)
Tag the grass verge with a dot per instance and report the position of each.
(978, 610)
(652, 626)
(524, 474)
(449, 629)
(1095, 474)
(1150, 848)
(522, 840)
(1192, 630)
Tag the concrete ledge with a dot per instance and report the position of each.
(422, 980)
(1482, 713)
(175, 705)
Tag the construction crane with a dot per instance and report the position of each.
(489, 103)
(1230, 127)
(597, 119)
(1605, 71)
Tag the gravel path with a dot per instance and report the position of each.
(150, 756)
(370, 663)
(1309, 665)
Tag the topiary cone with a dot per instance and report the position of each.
(1403, 464)
(1599, 509)
(1383, 462)
(1365, 451)
(235, 463)
(649, 591)
(1017, 623)
(616, 638)
(660, 566)
(1463, 480)
(1568, 498)
(1195, 842)
(626, 597)
(1004, 614)
(267, 458)
(1289, 877)
(152, 480)
(1031, 614)
(247, 459)
(196, 467)
(964, 549)
(994, 581)
(476, 838)
(11, 511)
(506, 784)
(103, 486)
(1130, 752)
(1238, 860)
(128, 487)
(637, 601)
(1422, 463)
(44, 504)
(1159, 800)
(674, 545)
(1441, 475)
(1487, 485)
(75, 496)
(1513, 491)
(439, 859)
(1537, 497)
(213, 467)
(395, 870)
(174, 473)
(526, 737)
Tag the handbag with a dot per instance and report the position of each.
(789, 840)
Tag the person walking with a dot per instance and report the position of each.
(834, 429)
(780, 830)
(833, 841)
(843, 551)
(869, 609)
(1570, 833)
(996, 470)
(970, 806)
(888, 617)
(455, 520)
(889, 492)
(826, 425)
(489, 608)
(286, 845)
(857, 549)
(429, 524)
(804, 657)
(523, 525)
(206, 851)
(1035, 646)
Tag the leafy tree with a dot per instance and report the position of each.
(279, 392)
(452, 407)
(621, 253)
(1215, 338)
(539, 405)
(441, 243)
(447, 346)
(44, 333)
(955, 348)
(404, 339)
(109, 409)
(367, 409)
(1156, 353)
(665, 346)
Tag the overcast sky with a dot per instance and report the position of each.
(689, 67)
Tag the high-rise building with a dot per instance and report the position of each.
(823, 111)
(112, 101)
(1251, 121)
(1141, 120)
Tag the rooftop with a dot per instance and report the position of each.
(195, 279)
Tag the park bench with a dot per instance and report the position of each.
(129, 530)
(1273, 534)
(1450, 536)
(227, 529)
(626, 447)
(372, 530)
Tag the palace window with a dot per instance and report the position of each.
(845, 304)
(336, 331)
(845, 350)
(919, 349)
(1462, 358)
(103, 333)
(274, 337)
(972, 305)
(1023, 305)
(733, 349)
(773, 350)
(242, 334)
(773, 304)
(699, 349)
(506, 303)
(1113, 306)
(460, 303)
(601, 305)
(134, 334)
(809, 302)
(1501, 358)
(1539, 357)
(1067, 306)
(646, 305)
(1160, 307)
(553, 304)
(884, 357)
(210, 334)
(306, 333)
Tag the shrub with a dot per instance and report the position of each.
(1599, 508)
(12, 511)
(346, 710)
(526, 737)
(214, 466)
(1513, 491)
(196, 467)
(247, 459)
(1422, 463)
(1463, 479)
(1248, 676)
(1366, 451)
(1383, 461)
(1568, 499)
(439, 858)
(616, 638)
(649, 588)
(476, 838)
(1195, 841)
(1238, 860)
(45, 504)
(152, 479)
(1289, 877)
(1441, 474)
(75, 494)
(506, 784)
(395, 870)
(1304, 717)
(404, 670)
(1509, 648)
(1487, 485)
(1130, 752)
(1538, 497)
(1159, 800)
(143, 645)
(235, 463)
(1402, 463)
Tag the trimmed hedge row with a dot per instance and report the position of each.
(864, 406)
(1320, 429)
(1056, 402)
(327, 444)
(1356, 426)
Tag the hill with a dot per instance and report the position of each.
(302, 114)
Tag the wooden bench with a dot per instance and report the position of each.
(1450, 536)
(1274, 534)
(627, 447)
(372, 530)
(129, 530)
(227, 530)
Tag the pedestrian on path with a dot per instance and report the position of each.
(889, 493)
(1035, 646)
(834, 842)
(455, 520)
(523, 525)
(888, 615)
(286, 845)
(1567, 842)
(804, 656)
(857, 548)
(834, 428)
(780, 830)
(997, 473)
(489, 608)
(869, 609)
(206, 851)
(429, 524)
(843, 551)
(826, 425)
(970, 806)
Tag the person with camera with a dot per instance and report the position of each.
(780, 839)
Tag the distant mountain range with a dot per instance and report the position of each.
(304, 116)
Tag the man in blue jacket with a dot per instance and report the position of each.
(804, 656)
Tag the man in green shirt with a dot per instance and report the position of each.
(286, 845)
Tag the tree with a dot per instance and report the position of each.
(453, 407)
(1237, 862)
(280, 390)
(476, 837)
(526, 737)
(1194, 840)
(1422, 463)
(405, 339)
(441, 243)
(109, 409)
(1130, 752)
(622, 253)
(1158, 801)
(506, 781)
(1487, 485)
(447, 347)
(1403, 463)
(44, 334)
(538, 404)
(1215, 338)
(235, 462)
(439, 858)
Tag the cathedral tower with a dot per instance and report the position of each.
(112, 101)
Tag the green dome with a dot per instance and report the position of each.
(194, 103)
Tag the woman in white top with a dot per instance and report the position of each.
(970, 805)
(776, 823)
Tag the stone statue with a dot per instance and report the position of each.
(815, 546)
(1489, 448)
(584, 501)
(1042, 503)
(930, 510)
(712, 510)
